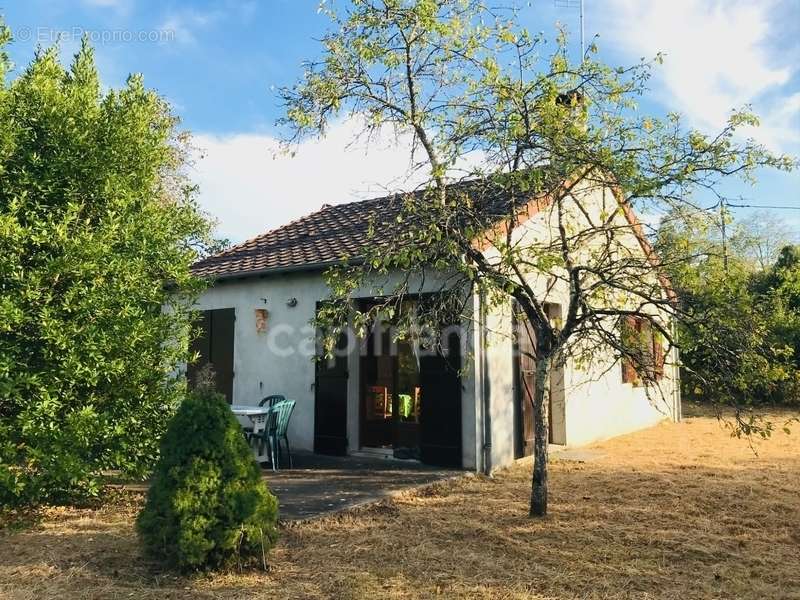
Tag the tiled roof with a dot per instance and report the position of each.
(321, 238)
(334, 233)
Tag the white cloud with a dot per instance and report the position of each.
(250, 187)
(185, 25)
(717, 58)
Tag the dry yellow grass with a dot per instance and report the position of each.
(677, 511)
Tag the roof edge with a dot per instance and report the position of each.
(316, 266)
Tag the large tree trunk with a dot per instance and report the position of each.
(541, 438)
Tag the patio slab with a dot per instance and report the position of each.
(320, 485)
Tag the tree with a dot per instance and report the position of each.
(98, 227)
(727, 295)
(207, 505)
(472, 86)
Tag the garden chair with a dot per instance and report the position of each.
(265, 436)
(280, 431)
(272, 400)
(267, 401)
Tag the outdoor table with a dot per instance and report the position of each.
(258, 418)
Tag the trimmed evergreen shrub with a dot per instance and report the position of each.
(208, 506)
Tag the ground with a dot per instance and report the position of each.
(676, 511)
(322, 484)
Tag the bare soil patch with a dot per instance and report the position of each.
(676, 511)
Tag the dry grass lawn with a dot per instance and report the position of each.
(677, 511)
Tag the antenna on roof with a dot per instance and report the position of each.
(574, 4)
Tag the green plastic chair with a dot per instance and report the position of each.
(283, 412)
(268, 401)
(272, 400)
(276, 429)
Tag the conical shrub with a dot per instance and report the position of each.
(207, 506)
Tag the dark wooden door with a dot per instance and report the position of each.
(330, 402)
(214, 344)
(440, 406)
(525, 384)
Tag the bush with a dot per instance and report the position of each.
(207, 506)
(98, 227)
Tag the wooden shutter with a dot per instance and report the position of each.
(440, 406)
(658, 357)
(628, 370)
(524, 368)
(223, 325)
(330, 400)
(215, 345)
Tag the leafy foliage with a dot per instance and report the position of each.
(207, 505)
(471, 85)
(741, 326)
(98, 227)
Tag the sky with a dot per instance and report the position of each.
(219, 63)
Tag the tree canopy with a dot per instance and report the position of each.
(739, 338)
(98, 228)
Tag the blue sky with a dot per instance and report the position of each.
(217, 63)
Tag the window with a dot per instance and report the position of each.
(646, 343)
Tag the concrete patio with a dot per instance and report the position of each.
(319, 485)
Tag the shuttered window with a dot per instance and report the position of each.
(652, 351)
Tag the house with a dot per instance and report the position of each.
(468, 409)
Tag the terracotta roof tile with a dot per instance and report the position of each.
(326, 236)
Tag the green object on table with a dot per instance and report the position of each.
(406, 405)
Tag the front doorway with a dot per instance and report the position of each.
(390, 395)
(410, 401)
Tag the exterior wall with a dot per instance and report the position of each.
(595, 404)
(600, 406)
(279, 361)
(258, 371)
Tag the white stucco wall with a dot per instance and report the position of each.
(599, 406)
(596, 403)
(259, 372)
(279, 361)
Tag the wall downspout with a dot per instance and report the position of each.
(486, 414)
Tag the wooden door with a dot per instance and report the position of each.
(215, 345)
(525, 384)
(440, 406)
(330, 401)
